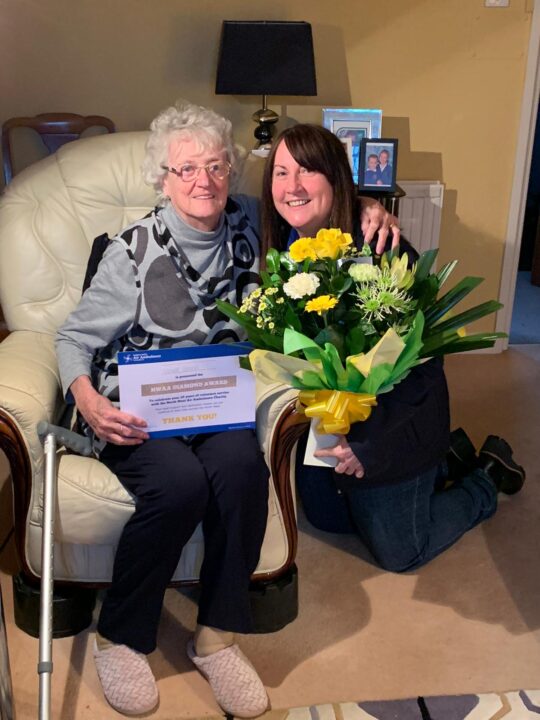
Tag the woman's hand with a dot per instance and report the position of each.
(104, 418)
(348, 463)
(374, 218)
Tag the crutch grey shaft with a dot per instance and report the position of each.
(50, 434)
(47, 563)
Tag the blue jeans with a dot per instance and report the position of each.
(404, 525)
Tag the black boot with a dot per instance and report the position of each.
(461, 457)
(496, 459)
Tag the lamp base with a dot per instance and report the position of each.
(262, 152)
(263, 132)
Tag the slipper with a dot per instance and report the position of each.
(127, 680)
(237, 687)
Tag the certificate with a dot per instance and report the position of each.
(188, 390)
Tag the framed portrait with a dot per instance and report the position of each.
(378, 164)
(353, 124)
(348, 145)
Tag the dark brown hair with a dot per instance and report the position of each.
(314, 148)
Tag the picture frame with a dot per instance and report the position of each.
(354, 124)
(348, 145)
(374, 175)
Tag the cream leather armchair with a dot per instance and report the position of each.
(49, 216)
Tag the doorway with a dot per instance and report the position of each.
(520, 183)
(525, 325)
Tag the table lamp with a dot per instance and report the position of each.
(265, 58)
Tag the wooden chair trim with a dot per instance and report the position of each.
(289, 427)
(12, 443)
(55, 129)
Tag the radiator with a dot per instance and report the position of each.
(420, 212)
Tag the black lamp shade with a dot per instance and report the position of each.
(266, 58)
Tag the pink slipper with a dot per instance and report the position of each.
(237, 687)
(127, 680)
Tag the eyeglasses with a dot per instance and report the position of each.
(216, 170)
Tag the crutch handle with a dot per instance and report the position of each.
(68, 438)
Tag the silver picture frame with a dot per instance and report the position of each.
(353, 124)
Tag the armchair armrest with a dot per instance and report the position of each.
(29, 384)
(29, 392)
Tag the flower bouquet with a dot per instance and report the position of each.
(342, 330)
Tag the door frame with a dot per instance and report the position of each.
(522, 168)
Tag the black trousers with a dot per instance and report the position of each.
(219, 479)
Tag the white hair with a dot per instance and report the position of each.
(184, 120)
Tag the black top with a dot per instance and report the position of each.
(408, 431)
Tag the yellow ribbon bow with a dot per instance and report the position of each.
(336, 409)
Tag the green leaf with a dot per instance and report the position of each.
(451, 298)
(453, 343)
(355, 340)
(331, 334)
(245, 363)
(445, 272)
(413, 345)
(466, 317)
(425, 263)
(294, 341)
(272, 260)
(232, 312)
(291, 319)
(265, 277)
(287, 263)
(425, 292)
(264, 340)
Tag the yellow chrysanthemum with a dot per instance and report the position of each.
(302, 249)
(321, 304)
(331, 243)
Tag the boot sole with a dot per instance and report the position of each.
(515, 470)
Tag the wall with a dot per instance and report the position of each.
(448, 75)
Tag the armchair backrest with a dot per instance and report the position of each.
(50, 214)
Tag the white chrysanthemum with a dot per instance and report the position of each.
(301, 285)
(362, 272)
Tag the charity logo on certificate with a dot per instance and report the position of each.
(188, 390)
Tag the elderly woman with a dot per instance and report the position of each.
(156, 287)
(387, 481)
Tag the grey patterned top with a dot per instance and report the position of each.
(156, 287)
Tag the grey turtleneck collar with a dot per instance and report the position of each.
(206, 251)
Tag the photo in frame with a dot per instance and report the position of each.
(353, 124)
(348, 145)
(378, 164)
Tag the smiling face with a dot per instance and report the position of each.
(372, 162)
(200, 201)
(302, 197)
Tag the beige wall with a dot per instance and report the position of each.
(448, 75)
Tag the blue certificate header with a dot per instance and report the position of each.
(136, 357)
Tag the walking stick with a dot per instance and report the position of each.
(50, 435)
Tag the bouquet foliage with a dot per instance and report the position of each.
(329, 322)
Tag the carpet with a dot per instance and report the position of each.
(515, 705)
